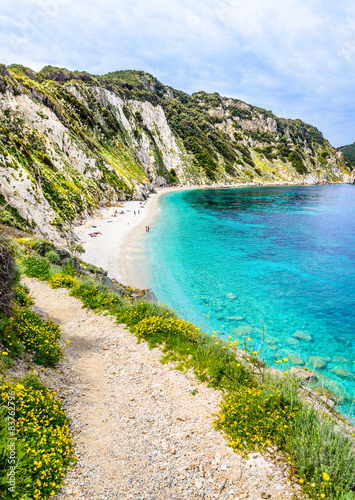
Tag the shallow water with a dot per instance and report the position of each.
(284, 257)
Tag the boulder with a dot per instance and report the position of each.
(293, 358)
(343, 372)
(63, 253)
(149, 295)
(318, 361)
(299, 334)
(76, 264)
(306, 376)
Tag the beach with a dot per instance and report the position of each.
(118, 246)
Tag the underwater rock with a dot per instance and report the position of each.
(318, 361)
(299, 334)
(293, 358)
(270, 340)
(342, 372)
(306, 376)
(242, 330)
(292, 341)
(341, 359)
(322, 391)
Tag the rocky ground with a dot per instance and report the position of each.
(142, 430)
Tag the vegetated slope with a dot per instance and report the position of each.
(70, 141)
(349, 153)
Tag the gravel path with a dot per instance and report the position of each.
(139, 431)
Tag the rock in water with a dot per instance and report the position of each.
(299, 334)
(318, 361)
(343, 373)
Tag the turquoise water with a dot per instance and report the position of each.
(284, 257)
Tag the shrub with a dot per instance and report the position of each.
(163, 326)
(21, 296)
(77, 249)
(96, 296)
(7, 274)
(38, 336)
(317, 446)
(140, 310)
(60, 280)
(44, 447)
(41, 247)
(36, 266)
(255, 417)
(53, 257)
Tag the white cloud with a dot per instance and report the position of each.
(291, 55)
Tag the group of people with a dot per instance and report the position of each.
(93, 235)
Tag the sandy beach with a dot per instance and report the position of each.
(119, 245)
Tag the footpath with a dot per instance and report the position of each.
(142, 430)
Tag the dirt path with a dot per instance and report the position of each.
(139, 431)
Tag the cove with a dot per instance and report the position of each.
(235, 260)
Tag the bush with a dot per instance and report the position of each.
(60, 280)
(256, 417)
(22, 297)
(44, 447)
(96, 296)
(53, 257)
(36, 266)
(41, 247)
(317, 446)
(38, 336)
(137, 312)
(7, 274)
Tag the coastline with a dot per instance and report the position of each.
(119, 247)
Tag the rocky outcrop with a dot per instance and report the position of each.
(350, 179)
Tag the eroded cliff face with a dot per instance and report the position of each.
(72, 142)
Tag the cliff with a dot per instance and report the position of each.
(71, 141)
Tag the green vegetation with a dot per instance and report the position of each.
(34, 430)
(349, 153)
(36, 266)
(41, 438)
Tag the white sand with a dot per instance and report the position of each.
(119, 249)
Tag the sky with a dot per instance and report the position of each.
(293, 57)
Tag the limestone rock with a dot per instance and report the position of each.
(300, 334)
(318, 361)
(343, 372)
(305, 376)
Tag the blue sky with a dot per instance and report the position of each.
(296, 57)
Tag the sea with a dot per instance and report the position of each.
(279, 260)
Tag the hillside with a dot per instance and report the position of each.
(349, 153)
(71, 141)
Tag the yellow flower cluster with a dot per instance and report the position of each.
(44, 446)
(167, 326)
(60, 280)
(21, 297)
(254, 418)
(38, 336)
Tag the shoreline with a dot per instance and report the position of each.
(119, 248)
